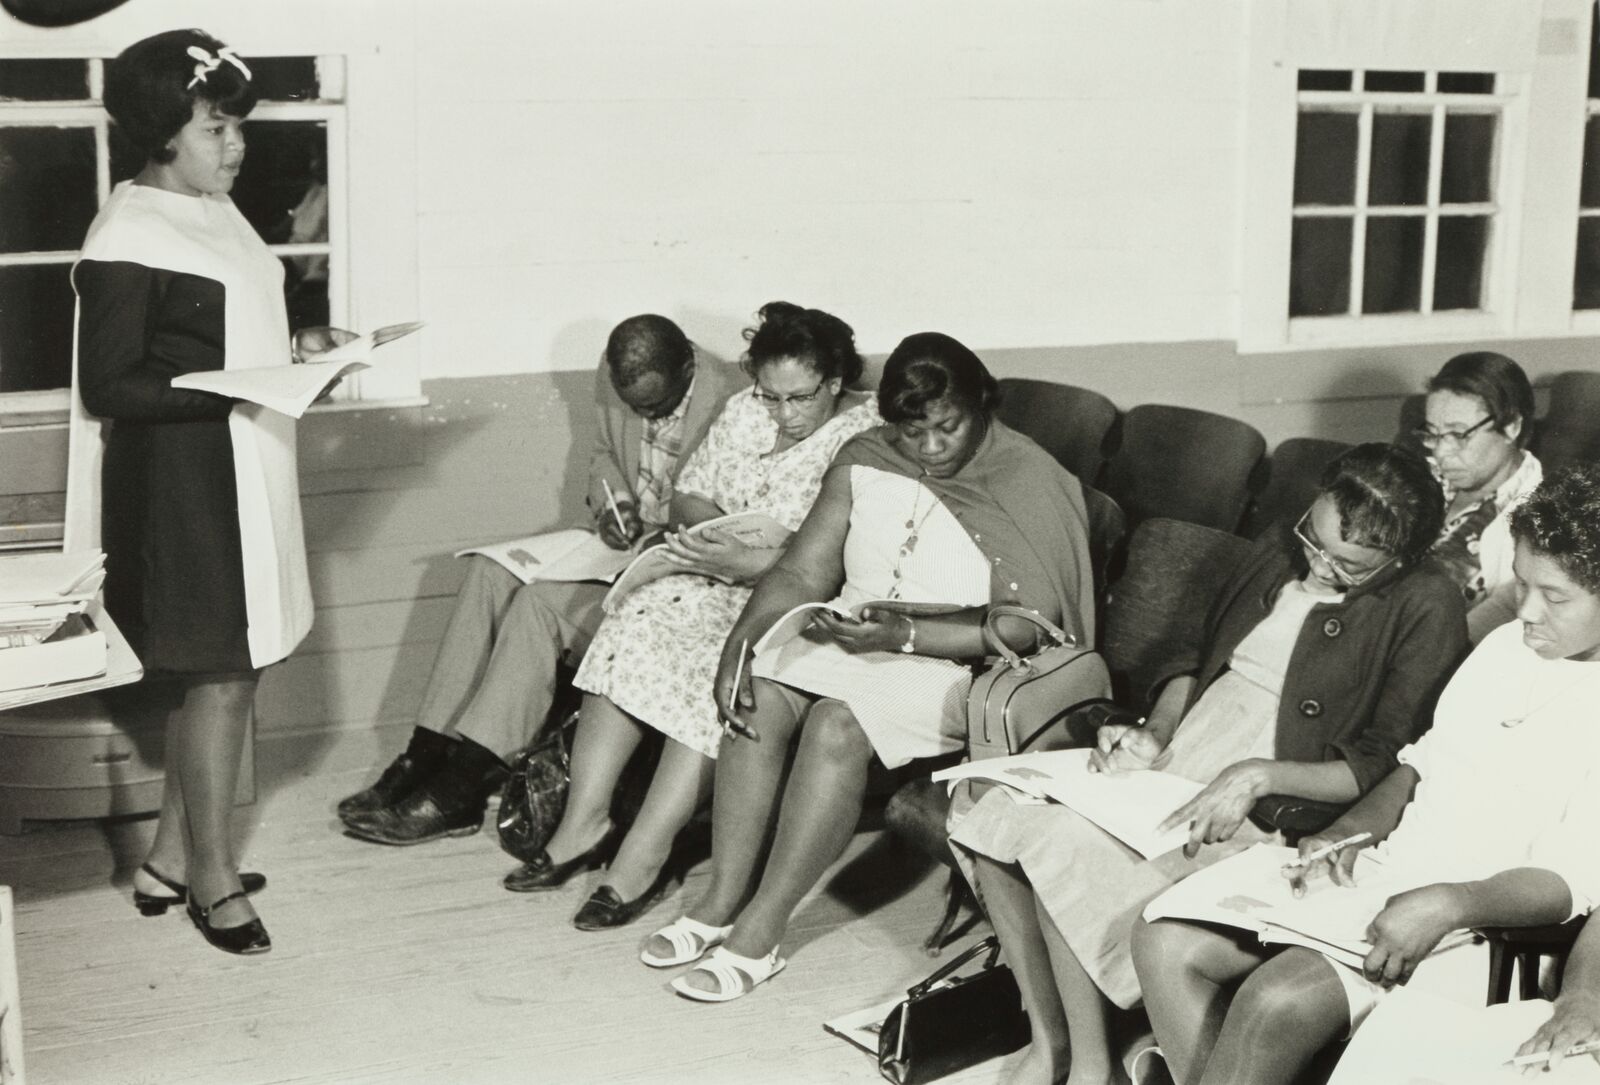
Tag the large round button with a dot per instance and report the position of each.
(1332, 627)
(1310, 708)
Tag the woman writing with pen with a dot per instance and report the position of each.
(1517, 718)
(1317, 662)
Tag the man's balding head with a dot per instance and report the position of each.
(651, 363)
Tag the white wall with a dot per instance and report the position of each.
(1017, 172)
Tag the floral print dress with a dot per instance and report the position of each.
(656, 658)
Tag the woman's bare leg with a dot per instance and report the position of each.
(1088, 1012)
(1284, 1014)
(207, 735)
(1187, 972)
(1009, 900)
(744, 806)
(605, 738)
(820, 808)
(681, 784)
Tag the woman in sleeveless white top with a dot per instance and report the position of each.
(921, 524)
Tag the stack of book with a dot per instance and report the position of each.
(48, 633)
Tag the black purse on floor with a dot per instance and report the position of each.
(948, 1022)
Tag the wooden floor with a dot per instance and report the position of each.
(413, 965)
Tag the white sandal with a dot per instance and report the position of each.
(689, 939)
(730, 971)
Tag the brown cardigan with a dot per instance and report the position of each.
(1365, 670)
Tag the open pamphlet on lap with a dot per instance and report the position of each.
(1249, 890)
(753, 529)
(567, 555)
(797, 619)
(1414, 1037)
(1128, 805)
(291, 389)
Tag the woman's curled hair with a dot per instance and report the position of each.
(931, 367)
(148, 95)
(821, 340)
(1561, 520)
(1387, 499)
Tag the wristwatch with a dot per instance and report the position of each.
(910, 645)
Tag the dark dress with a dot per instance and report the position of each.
(174, 567)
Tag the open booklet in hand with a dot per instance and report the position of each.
(1250, 891)
(753, 529)
(570, 554)
(795, 620)
(1128, 805)
(290, 389)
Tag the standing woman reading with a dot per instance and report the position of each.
(194, 497)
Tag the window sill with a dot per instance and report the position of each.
(45, 410)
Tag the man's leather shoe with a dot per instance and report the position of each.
(416, 819)
(403, 774)
(544, 873)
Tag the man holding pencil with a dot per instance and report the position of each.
(494, 679)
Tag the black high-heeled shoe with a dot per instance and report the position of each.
(545, 873)
(246, 938)
(149, 904)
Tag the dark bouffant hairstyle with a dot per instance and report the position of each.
(647, 344)
(931, 367)
(1561, 520)
(1387, 499)
(148, 95)
(1495, 379)
(821, 340)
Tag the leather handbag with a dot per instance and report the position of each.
(949, 1022)
(535, 794)
(1023, 704)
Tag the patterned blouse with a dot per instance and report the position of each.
(1475, 547)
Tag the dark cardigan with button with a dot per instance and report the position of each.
(1365, 670)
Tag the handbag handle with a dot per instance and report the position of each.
(996, 646)
(989, 945)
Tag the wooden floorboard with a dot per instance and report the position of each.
(412, 965)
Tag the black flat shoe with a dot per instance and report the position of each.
(150, 904)
(606, 908)
(246, 938)
(544, 873)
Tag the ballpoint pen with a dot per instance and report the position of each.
(738, 727)
(1326, 850)
(1586, 1048)
(611, 503)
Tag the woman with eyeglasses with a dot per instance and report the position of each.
(1479, 418)
(651, 662)
(1319, 660)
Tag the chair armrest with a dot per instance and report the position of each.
(1547, 938)
(1294, 816)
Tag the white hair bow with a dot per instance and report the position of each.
(209, 63)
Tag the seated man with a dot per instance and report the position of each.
(1490, 820)
(494, 679)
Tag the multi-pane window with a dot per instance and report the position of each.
(60, 156)
(1586, 276)
(1395, 192)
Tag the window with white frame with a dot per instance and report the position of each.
(60, 156)
(1396, 202)
(1586, 273)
